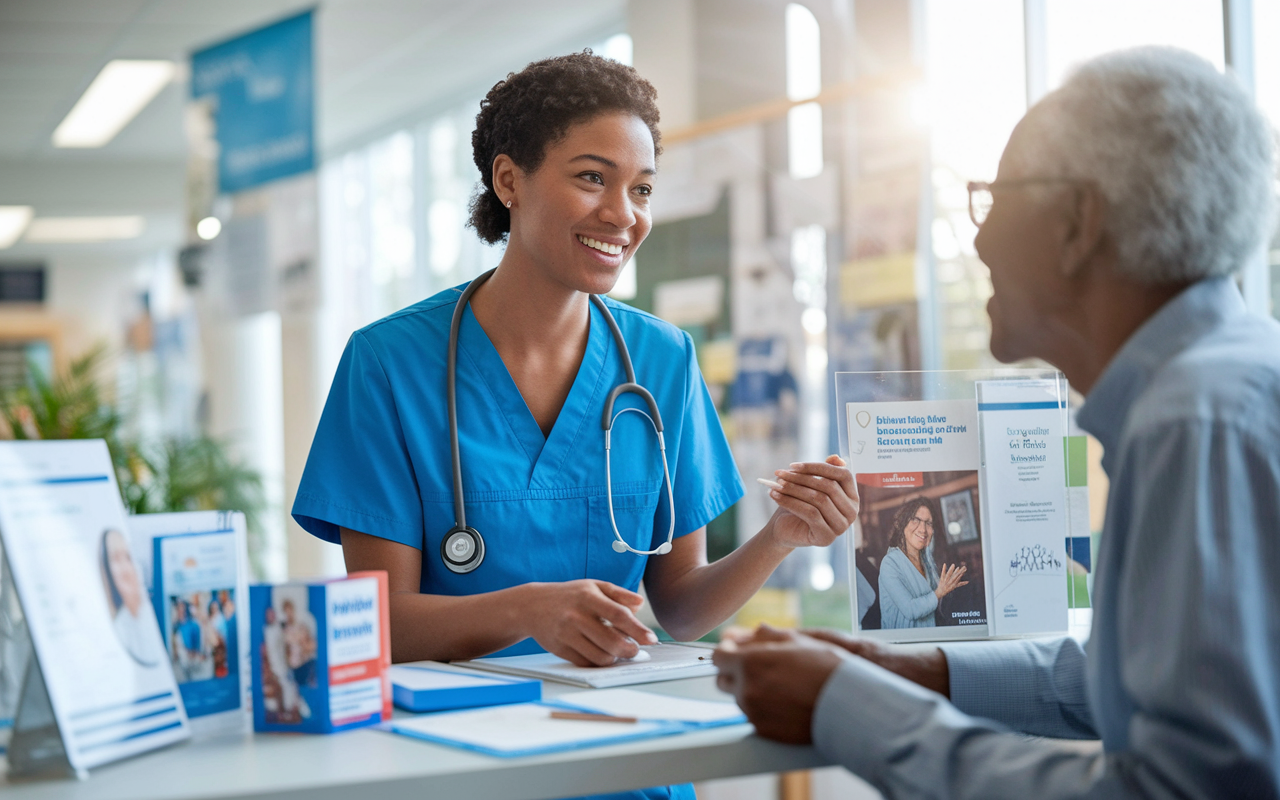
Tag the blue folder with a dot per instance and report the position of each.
(478, 690)
(447, 732)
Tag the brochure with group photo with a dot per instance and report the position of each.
(962, 516)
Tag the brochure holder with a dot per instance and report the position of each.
(98, 686)
(35, 747)
(15, 651)
(967, 510)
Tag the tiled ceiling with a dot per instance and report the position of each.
(379, 64)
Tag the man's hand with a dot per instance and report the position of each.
(776, 677)
(922, 664)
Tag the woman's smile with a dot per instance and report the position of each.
(603, 246)
(919, 530)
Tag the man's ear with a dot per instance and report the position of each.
(506, 176)
(1084, 208)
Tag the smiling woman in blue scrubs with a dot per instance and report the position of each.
(567, 151)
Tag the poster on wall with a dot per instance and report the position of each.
(261, 87)
(100, 687)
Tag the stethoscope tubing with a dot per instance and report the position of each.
(607, 419)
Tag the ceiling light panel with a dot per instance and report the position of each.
(121, 90)
(83, 229)
(13, 221)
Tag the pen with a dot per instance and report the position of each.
(584, 717)
(769, 483)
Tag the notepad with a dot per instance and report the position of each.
(654, 707)
(666, 662)
(422, 688)
(524, 729)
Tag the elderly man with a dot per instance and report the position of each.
(1124, 202)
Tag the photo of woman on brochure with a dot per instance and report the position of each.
(919, 561)
(131, 615)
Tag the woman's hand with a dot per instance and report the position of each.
(949, 580)
(818, 501)
(587, 622)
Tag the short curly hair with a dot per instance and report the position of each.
(531, 109)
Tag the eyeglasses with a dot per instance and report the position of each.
(925, 522)
(981, 197)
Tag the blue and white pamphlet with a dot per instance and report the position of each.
(196, 564)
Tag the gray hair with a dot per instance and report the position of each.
(1179, 151)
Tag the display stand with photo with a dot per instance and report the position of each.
(196, 567)
(98, 686)
(963, 512)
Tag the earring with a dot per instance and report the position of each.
(508, 204)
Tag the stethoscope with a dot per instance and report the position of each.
(463, 547)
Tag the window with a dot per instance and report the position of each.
(804, 81)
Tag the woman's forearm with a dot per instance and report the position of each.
(432, 627)
(693, 603)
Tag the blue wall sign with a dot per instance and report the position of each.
(264, 92)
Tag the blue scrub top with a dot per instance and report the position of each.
(380, 461)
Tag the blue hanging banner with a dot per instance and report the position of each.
(264, 102)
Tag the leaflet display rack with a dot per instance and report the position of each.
(98, 685)
(966, 514)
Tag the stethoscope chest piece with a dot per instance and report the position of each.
(462, 549)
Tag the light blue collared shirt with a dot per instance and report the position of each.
(1181, 677)
(906, 597)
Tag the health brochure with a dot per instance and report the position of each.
(1025, 503)
(916, 465)
(195, 564)
(964, 512)
(321, 654)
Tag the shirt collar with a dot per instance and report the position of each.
(1200, 308)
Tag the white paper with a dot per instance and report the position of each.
(518, 727)
(1025, 504)
(94, 631)
(649, 706)
(666, 662)
(419, 679)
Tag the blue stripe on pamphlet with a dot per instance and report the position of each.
(1020, 406)
(196, 533)
(46, 481)
(138, 735)
(93, 711)
(106, 725)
